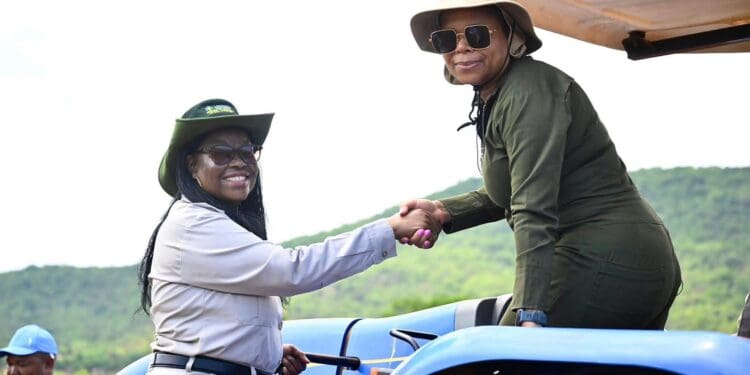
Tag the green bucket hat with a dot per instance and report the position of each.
(203, 118)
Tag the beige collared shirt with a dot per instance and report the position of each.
(215, 284)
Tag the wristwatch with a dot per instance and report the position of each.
(536, 316)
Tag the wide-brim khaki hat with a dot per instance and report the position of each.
(524, 40)
(203, 118)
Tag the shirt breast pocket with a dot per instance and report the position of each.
(253, 310)
(239, 308)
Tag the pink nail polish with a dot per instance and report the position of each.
(427, 245)
(427, 233)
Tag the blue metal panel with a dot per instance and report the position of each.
(139, 367)
(323, 336)
(371, 342)
(682, 352)
(316, 335)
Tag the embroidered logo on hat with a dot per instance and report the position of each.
(211, 108)
(215, 109)
(30, 339)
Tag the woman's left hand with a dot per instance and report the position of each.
(293, 360)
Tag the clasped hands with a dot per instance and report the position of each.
(419, 222)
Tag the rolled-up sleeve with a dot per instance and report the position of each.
(211, 251)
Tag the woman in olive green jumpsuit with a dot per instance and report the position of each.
(591, 252)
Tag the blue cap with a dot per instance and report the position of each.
(28, 340)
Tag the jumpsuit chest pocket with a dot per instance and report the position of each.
(496, 174)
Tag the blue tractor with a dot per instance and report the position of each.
(464, 338)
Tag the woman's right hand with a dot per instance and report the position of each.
(293, 360)
(438, 214)
(414, 228)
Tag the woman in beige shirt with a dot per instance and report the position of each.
(211, 282)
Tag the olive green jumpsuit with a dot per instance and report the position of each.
(590, 251)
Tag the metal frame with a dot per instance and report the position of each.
(639, 48)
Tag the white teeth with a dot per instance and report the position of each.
(236, 178)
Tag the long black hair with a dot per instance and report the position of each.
(250, 214)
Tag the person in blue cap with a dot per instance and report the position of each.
(31, 351)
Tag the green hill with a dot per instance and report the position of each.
(91, 310)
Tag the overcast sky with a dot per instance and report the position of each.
(89, 91)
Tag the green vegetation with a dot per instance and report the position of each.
(91, 310)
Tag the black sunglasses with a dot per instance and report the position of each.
(446, 40)
(223, 155)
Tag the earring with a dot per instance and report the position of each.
(198, 181)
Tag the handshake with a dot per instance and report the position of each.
(419, 222)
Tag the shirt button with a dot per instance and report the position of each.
(281, 324)
(384, 254)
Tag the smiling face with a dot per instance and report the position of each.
(231, 182)
(470, 66)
